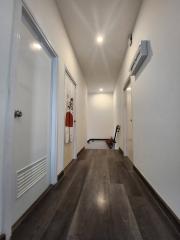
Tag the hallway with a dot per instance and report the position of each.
(100, 198)
(89, 129)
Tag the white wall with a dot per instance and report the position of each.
(156, 98)
(48, 17)
(100, 115)
(6, 16)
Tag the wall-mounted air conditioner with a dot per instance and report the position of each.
(139, 57)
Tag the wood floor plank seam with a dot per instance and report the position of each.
(100, 198)
(58, 212)
(75, 230)
(125, 212)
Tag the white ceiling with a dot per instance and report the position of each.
(83, 20)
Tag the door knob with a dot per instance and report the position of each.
(17, 114)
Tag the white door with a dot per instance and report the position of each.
(69, 147)
(129, 123)
(31, 137)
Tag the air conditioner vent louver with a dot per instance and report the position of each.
(30, 175)
(139, 58)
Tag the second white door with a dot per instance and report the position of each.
(70, 107)
(129, 122)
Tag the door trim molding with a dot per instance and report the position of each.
(26, 13)
(8, 184)
(128, 82)
(69, 74)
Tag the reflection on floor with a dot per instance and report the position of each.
(97, 145)
(100, 198)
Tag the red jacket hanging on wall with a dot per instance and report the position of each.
(69, 119)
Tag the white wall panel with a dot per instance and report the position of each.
(156, 99)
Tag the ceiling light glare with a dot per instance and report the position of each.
(99, 39)
(36, 46)
(129, 89)
(101, 89)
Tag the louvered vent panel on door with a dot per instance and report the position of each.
(30, 175)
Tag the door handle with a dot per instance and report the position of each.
(17, 114)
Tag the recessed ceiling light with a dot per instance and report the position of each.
(36, 46)
(101, 89)
(99, 39)
(129, 89)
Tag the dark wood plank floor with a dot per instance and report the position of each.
(100, 198)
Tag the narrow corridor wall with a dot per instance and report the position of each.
(100, 115)
(156, 97)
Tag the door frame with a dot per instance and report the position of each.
(21, 9)
(129, 82)
(75, 115)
